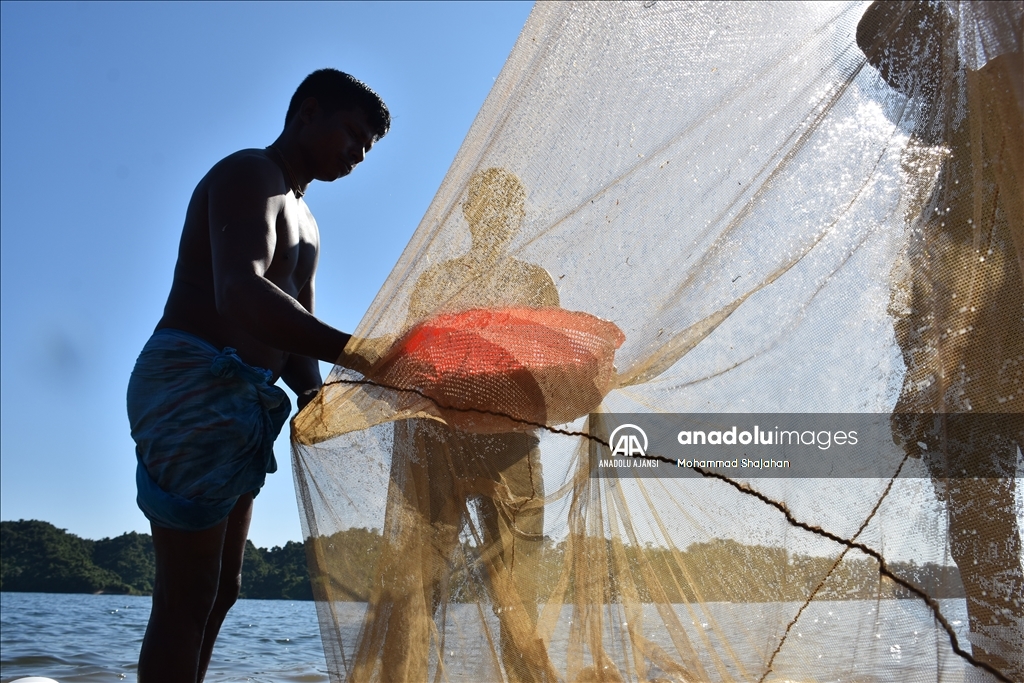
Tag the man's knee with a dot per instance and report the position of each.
(191, 596)
(228, 591)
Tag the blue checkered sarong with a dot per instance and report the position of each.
(204, 424)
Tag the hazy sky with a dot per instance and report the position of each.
(110, 115)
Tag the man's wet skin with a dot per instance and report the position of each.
(246, 229)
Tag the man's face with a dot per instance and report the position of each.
(335, 143)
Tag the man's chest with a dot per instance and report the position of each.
(295, 251)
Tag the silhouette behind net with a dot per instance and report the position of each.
(690, 208)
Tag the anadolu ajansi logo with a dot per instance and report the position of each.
(629, 442)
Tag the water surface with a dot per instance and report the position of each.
(80, 638)
(74, 638)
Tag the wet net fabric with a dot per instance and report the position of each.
(694, 208)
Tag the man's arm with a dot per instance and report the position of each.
(302, 373)
(244, 205)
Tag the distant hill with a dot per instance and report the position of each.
(721, 570)
(38, 557)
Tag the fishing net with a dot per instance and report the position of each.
(793, 211)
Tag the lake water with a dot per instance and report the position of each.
(75, 638)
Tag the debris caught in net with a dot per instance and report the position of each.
(771, 208)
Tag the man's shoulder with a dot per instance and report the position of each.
(535, 281)
(251, 166)
(531, 271)
(247, 160)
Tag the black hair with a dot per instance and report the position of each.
(336, 90)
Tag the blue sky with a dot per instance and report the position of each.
(110, 114)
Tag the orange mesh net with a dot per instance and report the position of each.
(491, 371)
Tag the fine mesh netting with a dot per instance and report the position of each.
(699, 208)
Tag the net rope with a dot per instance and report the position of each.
(693, 208)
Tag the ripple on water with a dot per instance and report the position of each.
(86, 638)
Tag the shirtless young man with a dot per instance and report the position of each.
(202, 403)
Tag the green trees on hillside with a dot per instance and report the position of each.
(277, 573)
(37, 556)
(130, 556)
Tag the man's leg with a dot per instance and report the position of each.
(514, 540)
(426, 519)
(230, 581)
(187, 573)
(191, 596)
(985, 543)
